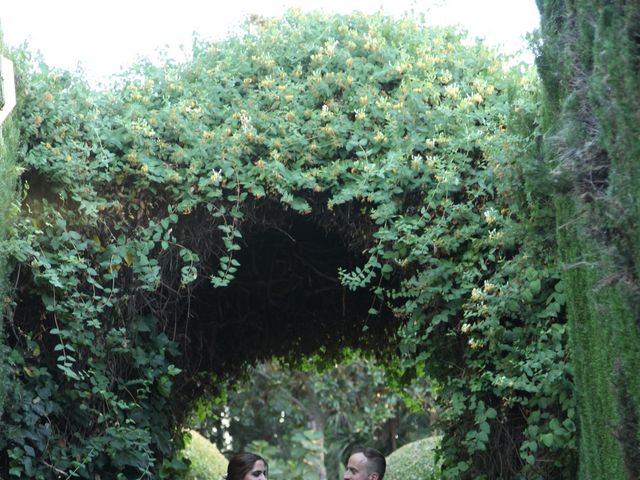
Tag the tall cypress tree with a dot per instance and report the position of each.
(590, 65)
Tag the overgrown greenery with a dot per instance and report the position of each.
(314, 183)
(8, 209)
(590, 64)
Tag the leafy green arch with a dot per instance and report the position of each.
(383, 161)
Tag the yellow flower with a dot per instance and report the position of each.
(267, 82)
(379, 138)
(144, 168)
(452, 92)
(489, 287)
(325, 113)
(477, 98)
(216, 176)
(445, 77)
(490, 216)
(476, 294)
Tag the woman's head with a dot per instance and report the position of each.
(247, 466)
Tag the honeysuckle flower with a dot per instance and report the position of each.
(489, 287)
(477, 98)
(452, 92)
(245, 121)
(445, 77)
(476, 295)
(330, 47)
(490, 216)
(216, 176)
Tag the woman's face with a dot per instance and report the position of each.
(257, 472)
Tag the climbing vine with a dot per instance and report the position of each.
(412, 145)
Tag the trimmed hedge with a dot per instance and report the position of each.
(414, 461)
(207, 463)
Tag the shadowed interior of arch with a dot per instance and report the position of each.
(286, 297)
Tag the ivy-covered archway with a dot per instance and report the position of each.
(316, 182)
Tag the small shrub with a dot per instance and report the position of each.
(415, 460)
(207, 463)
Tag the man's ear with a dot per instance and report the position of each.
(375, 476)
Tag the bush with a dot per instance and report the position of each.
(207, 463)
(415, 460)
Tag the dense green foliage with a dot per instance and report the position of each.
(305, 420)
(8, 209)
(206, 461)
(590, 65)
(316, 183)
(414, 460)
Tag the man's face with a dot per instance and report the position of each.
(357, 468)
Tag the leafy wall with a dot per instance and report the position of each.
(314, 183)
(590, 65)
(8, 210)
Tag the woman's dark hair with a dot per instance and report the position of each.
(241, 464)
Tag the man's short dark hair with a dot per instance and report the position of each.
(376, 462)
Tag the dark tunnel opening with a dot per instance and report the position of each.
(286, 297)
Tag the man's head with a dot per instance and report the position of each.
(365, 464)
